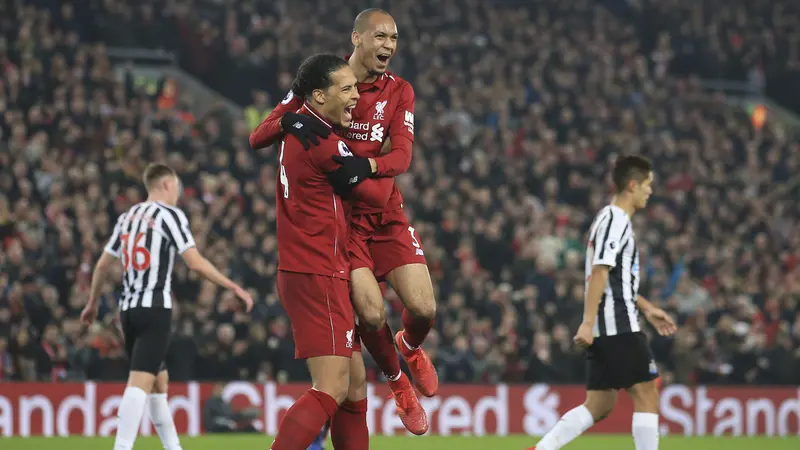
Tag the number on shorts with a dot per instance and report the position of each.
(414, 240)
(132, 258)
(284, 179)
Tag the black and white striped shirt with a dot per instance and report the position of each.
(612, 243)
(146, 239)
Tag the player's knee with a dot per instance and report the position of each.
(422, 306)
(372, 318)
(161, 383)
(600, 408)
(358, 384)
(332, 378)
(645, 397)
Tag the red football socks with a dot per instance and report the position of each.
(416, 329)
(349, 427)
(303, 421)
(381, 346)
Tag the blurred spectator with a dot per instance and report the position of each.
(513, 146)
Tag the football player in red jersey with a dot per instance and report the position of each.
(314, 266)
(383, 245)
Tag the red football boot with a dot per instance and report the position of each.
(422, 371)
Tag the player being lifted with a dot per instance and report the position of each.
(618, 354)
(383, 245)
(313, 264)
(146, 238)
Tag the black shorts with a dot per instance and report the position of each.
(619, 362)
(146, 332)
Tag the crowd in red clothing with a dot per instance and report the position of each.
(521, 110)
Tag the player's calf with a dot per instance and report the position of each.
(303, 421)
(349, 426)
(131, 408)
(645, 417)
(160, 414)
(412, 282)
(573, 423)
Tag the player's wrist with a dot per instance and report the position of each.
(373, 165)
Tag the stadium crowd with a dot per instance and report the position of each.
(522, 108)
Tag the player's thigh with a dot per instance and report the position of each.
(321, 314)
(367, 298)
(153, 328)
(362, 228)
(619, 362)
(395, 243)
(412, 282)
(128, 332)
(357, 389)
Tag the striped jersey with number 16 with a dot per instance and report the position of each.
(146, 239)
(612, 243)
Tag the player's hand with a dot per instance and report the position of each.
(661, 321)
(584, 336)
(305, 128)
(245, 297)
(89, 314)
(353, 171)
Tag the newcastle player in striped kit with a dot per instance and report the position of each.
(618, 354)
(146, 239)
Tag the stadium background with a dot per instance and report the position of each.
(521, 108)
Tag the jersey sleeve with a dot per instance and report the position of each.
(114, 245)
(374, 192)
(269, 130)
(401, 132)
(607, 238)
(176, 226)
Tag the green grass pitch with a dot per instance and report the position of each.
(258, 442)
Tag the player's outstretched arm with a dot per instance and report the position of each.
(284, 119)
(201, 265)
(102, 267)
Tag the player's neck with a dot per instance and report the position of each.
(625, 203)
(362, 73)
(156, 197)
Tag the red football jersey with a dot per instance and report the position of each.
(385, 109)
(312, 221)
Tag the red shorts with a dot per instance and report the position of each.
(321, 314)
(383, 242)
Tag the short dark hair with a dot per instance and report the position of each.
(315, 73)
(155, 172)
(362, 19)
(628, 168)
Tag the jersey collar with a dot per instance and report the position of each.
(309, 110)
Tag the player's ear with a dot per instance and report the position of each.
(355, 38)
(319, 96)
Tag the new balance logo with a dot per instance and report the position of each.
(379, 108)
(376, 134)
(354, 180)
(408, 121)
(298, 125)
